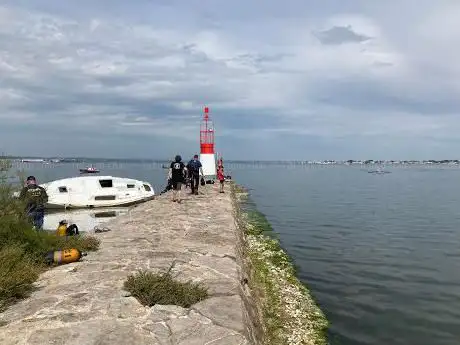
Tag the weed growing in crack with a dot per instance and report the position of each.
(161, 288)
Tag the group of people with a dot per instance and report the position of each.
(179, 172)
(35, 196)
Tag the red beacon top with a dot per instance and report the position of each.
(206, 134)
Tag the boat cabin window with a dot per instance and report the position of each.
(106, 183)
(63, 189)
(104, 197)
(147, 188)
(130, 185)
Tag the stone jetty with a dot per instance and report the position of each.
(84, 302)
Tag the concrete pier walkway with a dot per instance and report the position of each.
(84, 303)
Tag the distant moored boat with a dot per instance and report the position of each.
(379, 171)
(89, 170)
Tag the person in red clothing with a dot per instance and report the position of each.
(221, 177)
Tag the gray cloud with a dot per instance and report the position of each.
(339, 35)
(141, 75)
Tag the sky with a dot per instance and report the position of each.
(296, 79)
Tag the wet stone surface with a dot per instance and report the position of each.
(84, 303)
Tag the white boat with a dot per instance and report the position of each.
(85, 220)
(32, 160)
(97, 191)
(379, 171)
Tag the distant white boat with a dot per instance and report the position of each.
(85, 220)
(32, 160)
(97, 191)
(379, 171)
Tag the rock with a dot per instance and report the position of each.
(125, 293)
(165, 312)
(224, 311)
(27, 308)
(121, 307)
(75, 302)
(55, 336)
(160, 332)
(100, 332)
(198, 330)
(76, 316)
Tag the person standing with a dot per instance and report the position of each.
(194, 168)
(221, 177)
(35, 198)
(177, 175)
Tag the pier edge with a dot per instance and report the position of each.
(279, 309)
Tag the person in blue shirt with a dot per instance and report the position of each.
(194, 168)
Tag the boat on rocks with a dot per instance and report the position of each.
(96, 191)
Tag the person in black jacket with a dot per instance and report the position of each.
(35, 198)
(177, 172)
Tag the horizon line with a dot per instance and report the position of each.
(233, 160)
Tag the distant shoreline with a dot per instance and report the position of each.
(83, 160)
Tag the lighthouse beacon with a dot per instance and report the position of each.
(207, 155)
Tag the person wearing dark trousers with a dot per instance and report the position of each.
(35, 198)
(177, 172)
(194, 168)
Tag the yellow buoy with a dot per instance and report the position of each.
(65, 256)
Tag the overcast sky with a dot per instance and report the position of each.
(295, 79)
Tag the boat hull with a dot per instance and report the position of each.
(127, 203)
(96, 192)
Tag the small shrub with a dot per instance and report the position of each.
(150, 289)
(17, 274)
(83, 243)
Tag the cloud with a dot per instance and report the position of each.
(303, 81)
(341, 34)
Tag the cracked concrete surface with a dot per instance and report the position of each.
(84, 303)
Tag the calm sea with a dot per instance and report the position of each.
(381, 253)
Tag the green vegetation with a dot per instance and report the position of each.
(17, 274)
(289, 312)
(22, 249)
(238, 189)
(150, 289)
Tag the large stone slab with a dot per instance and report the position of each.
(84, 303)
